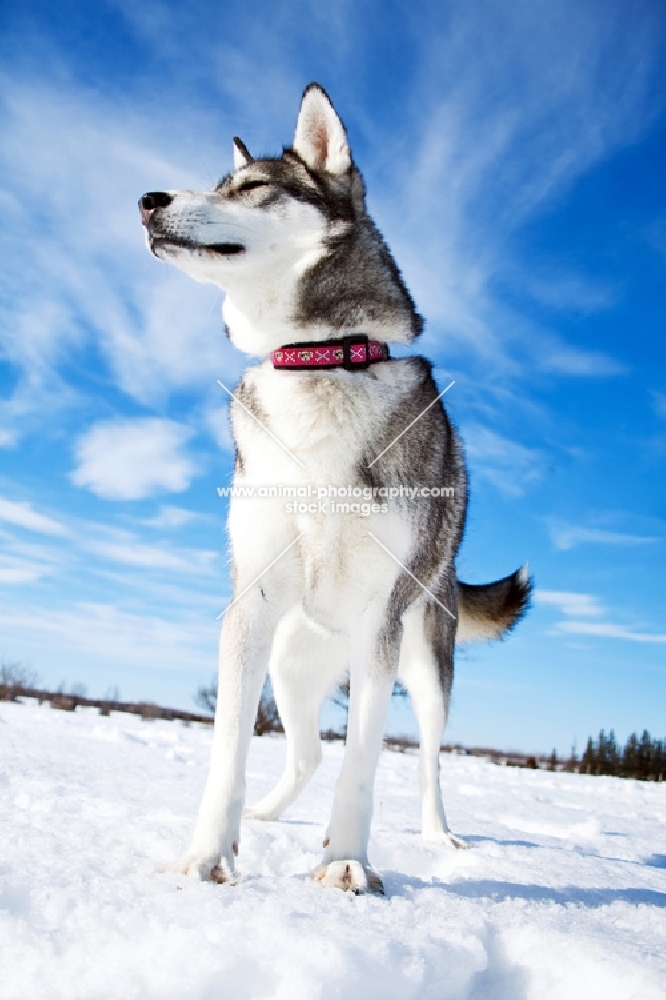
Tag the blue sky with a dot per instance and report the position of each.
(515, 160)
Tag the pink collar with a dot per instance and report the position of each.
(352, 352)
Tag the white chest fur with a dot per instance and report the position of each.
(306, 433)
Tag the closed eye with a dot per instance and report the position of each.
(250, 186)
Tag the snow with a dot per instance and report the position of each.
(561, 895)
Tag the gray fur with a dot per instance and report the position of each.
(357, 282)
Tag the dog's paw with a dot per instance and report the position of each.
(204, 867)
(351, 876)
(446, 839)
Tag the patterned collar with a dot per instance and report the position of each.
(352, 352)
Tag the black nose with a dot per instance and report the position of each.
(155, 199)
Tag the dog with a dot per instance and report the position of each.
(370, 589)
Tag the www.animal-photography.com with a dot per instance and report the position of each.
(332, 524)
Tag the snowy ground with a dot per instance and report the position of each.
(562, 894)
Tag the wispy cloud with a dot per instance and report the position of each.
(133, 553)
(572, 292)
(25, 560)
(564, 359)
(216, 420)
(607, 630)
(576, 607)
(567, 536)
(65, 553)
(16, 571)
(570, 603)
(169, 517)
(76, 165)
(131, 459)
(509, 465)
(519, 123)
(109, 633)
(23, 515)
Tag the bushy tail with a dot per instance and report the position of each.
(491, 610)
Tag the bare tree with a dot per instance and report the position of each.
(340, 697)
(206, 697)
(15, 677)
(268, 717)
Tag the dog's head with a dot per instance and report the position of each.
(289, 240)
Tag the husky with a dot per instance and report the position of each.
(368, 591)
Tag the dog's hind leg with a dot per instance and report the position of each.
(305, 661)
(426, 669)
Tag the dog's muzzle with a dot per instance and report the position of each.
(161, 236)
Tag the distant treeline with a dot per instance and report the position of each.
(641, 757)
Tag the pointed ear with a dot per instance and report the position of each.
(241, 156)
(321, 140)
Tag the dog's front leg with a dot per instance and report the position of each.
(245, 642)
(375, 644)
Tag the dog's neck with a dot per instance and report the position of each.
(262, 323)
(259, 328)
(346, 286)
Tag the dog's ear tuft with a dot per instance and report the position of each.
(321, 140)
(242, 157)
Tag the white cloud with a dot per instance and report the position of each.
(107, 633)
(563, 359)
(24, 516)
(18, 571)
(510, 466)
(576, 607)
(568, 536)
(572, 293)
(217, 422)
(155, 557)
(131, 459)
(570, 603)
(607, 630)
(171, 517)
